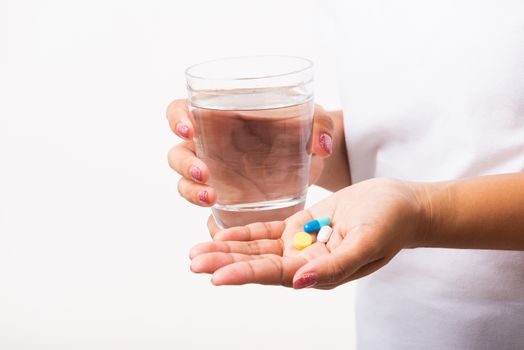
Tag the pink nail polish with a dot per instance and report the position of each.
(203, 196)
(308, 279)
(183, 129)
(195, 173)
(326, 143)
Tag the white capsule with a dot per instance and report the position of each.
(324, 233)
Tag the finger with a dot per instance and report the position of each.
(274, 270)
(361, 272)
(210, 262)
(323, 128)
(335, 267)
(179, 119)
(263, 246)
(198, 194)
(368, 269)
(183, 160)
(335, 239)
(251, 232)
(212, 226)
(327, 269)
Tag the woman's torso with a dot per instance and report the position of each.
(435, 91)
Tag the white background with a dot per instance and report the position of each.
(94, 238)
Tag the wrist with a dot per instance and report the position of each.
(435, 200)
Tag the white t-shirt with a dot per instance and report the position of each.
(434, 90)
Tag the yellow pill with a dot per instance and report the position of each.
(303, 240)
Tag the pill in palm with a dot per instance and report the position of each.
(302, 240)
(316, 224)
(324, 233)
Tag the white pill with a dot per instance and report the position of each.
(324, 233)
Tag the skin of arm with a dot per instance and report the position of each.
(485, 212)
(372, 221)
(336, 173)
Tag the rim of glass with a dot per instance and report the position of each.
(307, 61)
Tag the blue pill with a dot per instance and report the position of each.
(316, 224)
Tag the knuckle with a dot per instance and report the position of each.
(171, 155)
(253, 247)
(181, 187)
(180, 102)
(249, 232)
(173, 106)
(324, 123)
(337, 272)
(187, 161)
(252, 271)
(180, 159)
(266, 227)
(279, 268)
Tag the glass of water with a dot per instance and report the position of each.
(253, 119)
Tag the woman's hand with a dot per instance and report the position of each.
(372, 221)
(194, 186)
(182, 158)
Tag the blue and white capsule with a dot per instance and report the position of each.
(316, 224)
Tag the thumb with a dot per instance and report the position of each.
(179, 119)
(323, 128)
(333, 268)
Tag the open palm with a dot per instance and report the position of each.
(372, 221)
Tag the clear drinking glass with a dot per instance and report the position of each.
(253, 119)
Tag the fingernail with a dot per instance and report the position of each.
(203, 196)
(308, 279)
(326, 143)
(183, 129)
(195, 173)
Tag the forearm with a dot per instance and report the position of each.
(336, 174)
(484, 212)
